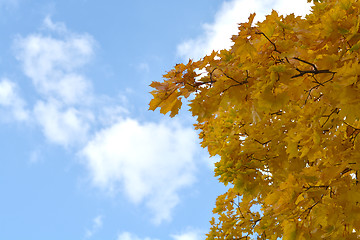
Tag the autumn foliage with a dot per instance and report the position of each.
(281, 108)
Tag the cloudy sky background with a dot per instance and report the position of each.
(81, 156)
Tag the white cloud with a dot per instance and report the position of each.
(58, 27)
(216, 36)
(147, 162)
(10, 100)
(53, 63)
(130, 236)
(96, 226)
(298, 7)
(189, 235)
(62, 125)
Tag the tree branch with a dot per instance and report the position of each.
(275, 49)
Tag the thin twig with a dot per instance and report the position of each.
(275, 49)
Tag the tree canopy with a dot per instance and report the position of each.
(281, 108)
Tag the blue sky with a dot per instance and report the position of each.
(82, 157)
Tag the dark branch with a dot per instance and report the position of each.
(264, 143)
(336, 110)
(314, 71)
(318, 85)
(311, 64)
(311, 207)
(275, 49)
(238, 83)
(316, 186)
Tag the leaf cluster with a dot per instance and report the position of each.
(281, 108)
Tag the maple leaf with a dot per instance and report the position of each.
(282, 110)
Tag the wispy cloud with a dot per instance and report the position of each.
(12, 102)
(189, 235)
(143, 67)
(148, 162)
(62, 125)
(35, 156)
(216, 35)
(53, 63)
(131, 236)
(97, 224)
(58, 27)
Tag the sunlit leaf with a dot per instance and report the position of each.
(281, 108)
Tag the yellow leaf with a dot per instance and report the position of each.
(281, 109)
(290, 232)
